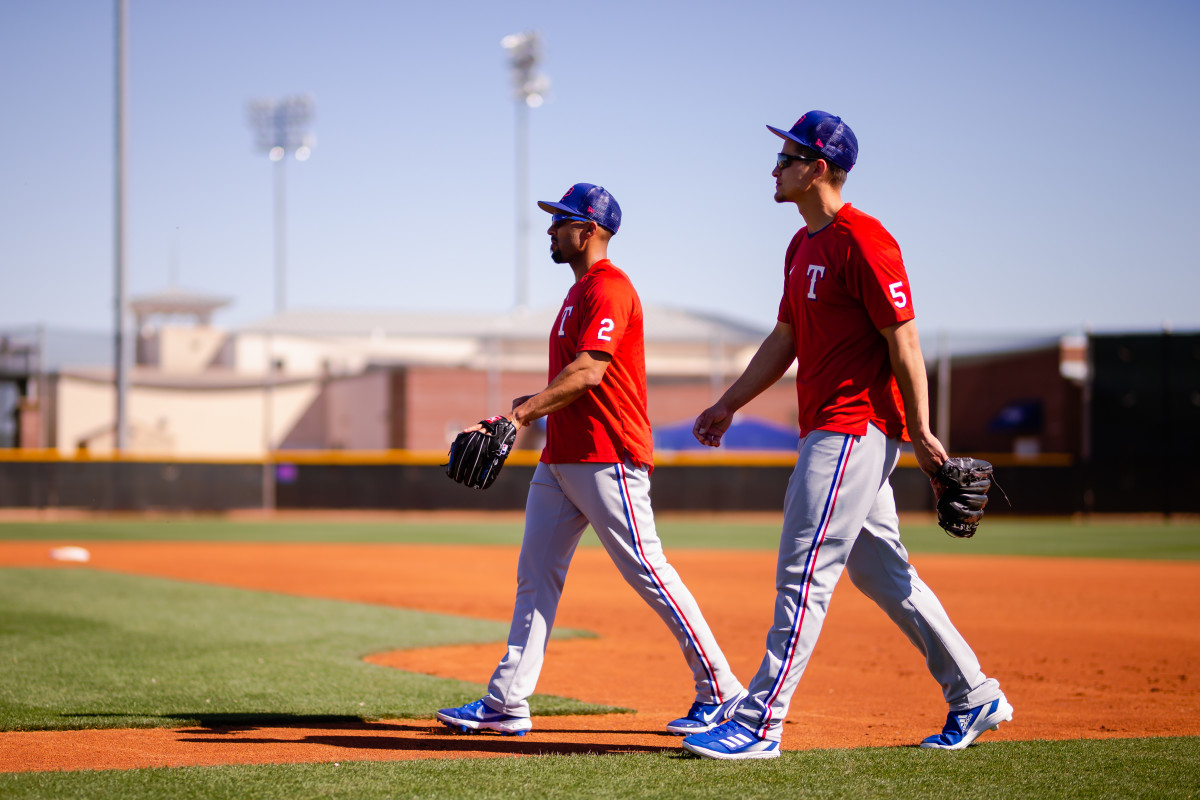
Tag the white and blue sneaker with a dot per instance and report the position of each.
(729, 742)
(478, 717)
(703, 717)
(964, 727)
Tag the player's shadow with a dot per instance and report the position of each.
(234, 723)
(353, 733)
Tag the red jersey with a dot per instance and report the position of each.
(843, 284)
(608, 423)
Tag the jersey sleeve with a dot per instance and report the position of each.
(876, 274)
(606, 309)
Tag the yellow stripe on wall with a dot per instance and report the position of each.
(524, 458)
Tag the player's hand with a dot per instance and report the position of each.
(929, 452)
(479, 426)
(711, 425)
(517, 403)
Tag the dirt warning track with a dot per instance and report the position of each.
(1083, 649)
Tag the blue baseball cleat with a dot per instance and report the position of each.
(474, 717)
(703, 717)
(729, 742)
(964, 727)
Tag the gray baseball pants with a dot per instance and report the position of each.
(840, 513)
(615, 500)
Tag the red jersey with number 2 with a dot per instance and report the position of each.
(607, 423)
(842, 285)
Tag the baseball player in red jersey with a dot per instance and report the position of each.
(846, 319)
(595, 468)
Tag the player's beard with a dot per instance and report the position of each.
(556, 255)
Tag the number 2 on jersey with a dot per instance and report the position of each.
(606, 327)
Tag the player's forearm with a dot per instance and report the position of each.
(770, 362)
(578, 377)
(908, 365)
(547, 401)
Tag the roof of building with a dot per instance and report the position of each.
(661, 324)
(174, 300)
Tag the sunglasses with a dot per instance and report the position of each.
(784, 160)
(556, 218)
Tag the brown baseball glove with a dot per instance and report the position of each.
(961, 488)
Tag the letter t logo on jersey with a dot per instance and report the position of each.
(815, 273)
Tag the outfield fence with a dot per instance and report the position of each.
(410, 480)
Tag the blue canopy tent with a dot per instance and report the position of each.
(746, 433)
(1019, 416)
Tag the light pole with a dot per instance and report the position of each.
(524, 51)
(121, 300)
(280, 127)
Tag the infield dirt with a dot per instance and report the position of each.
(1083, 649)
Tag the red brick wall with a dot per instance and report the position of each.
(982, 386)
(441, 401)
(672, 400)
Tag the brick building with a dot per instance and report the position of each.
(351, 380)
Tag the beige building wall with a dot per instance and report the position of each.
(349, 413)
(415, 408)
(188, 421)
(351, 382)
(188, 350)
(317, 355)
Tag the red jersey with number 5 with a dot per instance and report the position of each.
(608, 423)
(842, 285)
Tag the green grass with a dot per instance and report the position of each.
(217, 529)
(86, 649)
(1152, 539)
(1064, 538)
(1008, 537)
(1131, 768)
(81, 648)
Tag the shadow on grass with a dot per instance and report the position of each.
(228, 723)
(419, 738)
(353, 733)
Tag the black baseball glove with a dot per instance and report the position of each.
(961, 488)
(477, 457)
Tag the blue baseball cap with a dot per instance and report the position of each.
(825, 133)
(587, 202)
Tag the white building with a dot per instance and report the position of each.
(338, 380)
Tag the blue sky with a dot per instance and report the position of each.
(1038, 162)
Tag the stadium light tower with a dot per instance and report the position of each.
(120, 226)
(524, 52)
(281, 127)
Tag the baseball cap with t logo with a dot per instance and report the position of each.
(587, 202)
(825, 133)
